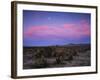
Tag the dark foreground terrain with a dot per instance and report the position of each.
(56, 56)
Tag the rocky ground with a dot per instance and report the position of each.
(50, 57)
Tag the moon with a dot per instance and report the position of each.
(49, 18)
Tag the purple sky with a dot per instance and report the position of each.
(44, 28)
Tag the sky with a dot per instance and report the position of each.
(46, 28)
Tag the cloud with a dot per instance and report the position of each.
(78, 30)
(66, 31)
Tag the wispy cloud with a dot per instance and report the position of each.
(67, 30)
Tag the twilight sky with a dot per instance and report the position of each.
(45, 28)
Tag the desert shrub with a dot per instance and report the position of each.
(48, 52)
(41, 62)
(59, 59)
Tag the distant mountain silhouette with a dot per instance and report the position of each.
(64, 45)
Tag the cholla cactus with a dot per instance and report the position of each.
(40, 60)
